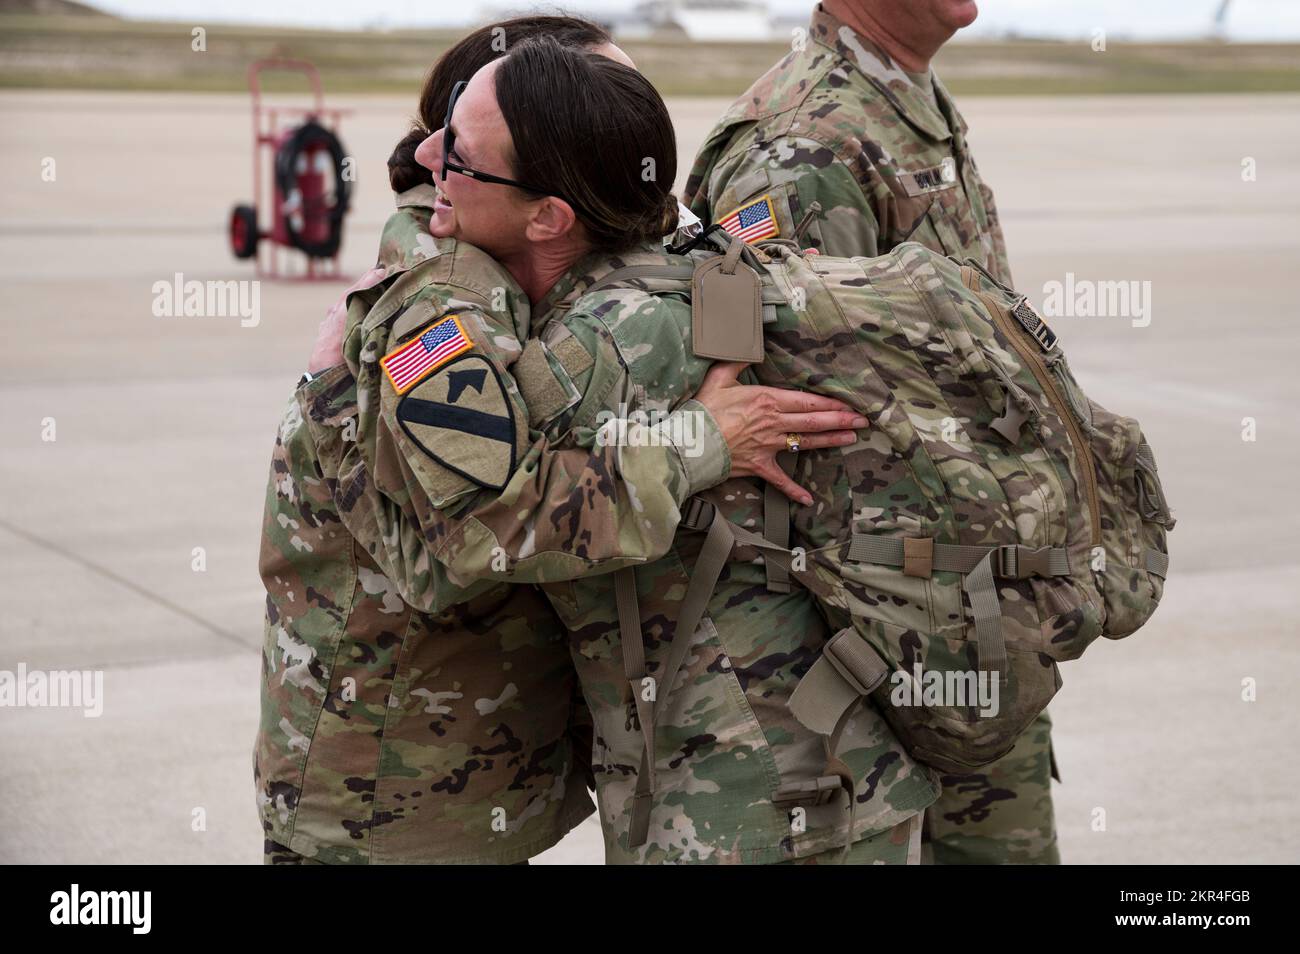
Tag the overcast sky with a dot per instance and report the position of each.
(1247, 19)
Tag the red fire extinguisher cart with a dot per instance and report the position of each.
(297, 153)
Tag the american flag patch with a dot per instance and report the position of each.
(753, 222)
(437, 344)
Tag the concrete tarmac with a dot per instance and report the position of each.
(1177, 745)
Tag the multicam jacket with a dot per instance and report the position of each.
(836, 122)
(391, 734)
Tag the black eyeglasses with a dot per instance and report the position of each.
(449, 143)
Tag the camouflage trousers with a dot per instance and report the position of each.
(900, 845)
(274, 853)
(1001, 814)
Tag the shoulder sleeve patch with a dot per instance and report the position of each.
(461, 417)
(753, 221)
(430, 349)
(750, 183)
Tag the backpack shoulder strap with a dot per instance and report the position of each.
(708, 569)
(718, 320)
(669, 272)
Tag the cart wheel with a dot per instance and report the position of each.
(243, 231)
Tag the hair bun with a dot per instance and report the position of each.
(671, 215)
(403, 171)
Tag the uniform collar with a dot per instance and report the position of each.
(423, 195)
(405, 241)
(883, 73)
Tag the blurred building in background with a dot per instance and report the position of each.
(730, 21)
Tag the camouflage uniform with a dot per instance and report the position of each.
(837, 123)
(389, 734)
(727, 741)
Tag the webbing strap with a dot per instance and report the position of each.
(776, 526)
(704, 578)
(847, 670)
(629, 625)
(672, 271)
(724, 242)
(807, 791)
(699, 515)
(836, 766)
(1014, 561)
(990, 647)
(1156, 562)
(982, 566)
(678, 273)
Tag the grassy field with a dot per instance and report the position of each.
(107, 53)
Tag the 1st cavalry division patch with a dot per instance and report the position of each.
(435, 346)
(462, 418)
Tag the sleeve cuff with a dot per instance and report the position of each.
(701, 450)
(322, 433)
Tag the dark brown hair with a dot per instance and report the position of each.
(595, 132)
(462, 61)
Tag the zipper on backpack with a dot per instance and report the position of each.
(1045, 338)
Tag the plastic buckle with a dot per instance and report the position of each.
(1016, 562)
(812, 791)
(844, 663)
(698, 514)
(1004, 561)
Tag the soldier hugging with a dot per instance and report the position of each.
(771, 531)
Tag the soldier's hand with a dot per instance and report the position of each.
(327, 352)
(755, 421)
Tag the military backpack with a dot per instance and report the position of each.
(992, 521)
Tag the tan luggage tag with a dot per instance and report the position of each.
(727, 309)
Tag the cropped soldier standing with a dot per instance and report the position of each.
(391, 735)
(850, 145)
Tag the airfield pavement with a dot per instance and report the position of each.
(164, 429)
